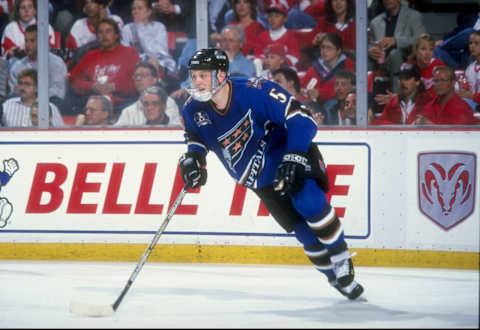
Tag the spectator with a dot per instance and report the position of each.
(339, 18)
(422, 55)
(288, 79)
(278, 34)
(57, 70)
(447, 108)
(83, 29)
(4, 90)
(275, 58)
(245, 15)
(107, 70)
(148, 37)
(301, 13)
(16, 110)
(13, 37)
(348, 116)
(146, 76)
(98, 112)
(345, 82)
(153, 101)
(34, 108)
(471, 94)
(402, 108)
(321, 74)
(232, 42)
(391, 34)
(179, 15)
(453, 48)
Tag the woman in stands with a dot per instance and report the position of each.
(245, 15)
(13, 37)
(422, 55)
(318, 82)
(339, 18)
(149, 37)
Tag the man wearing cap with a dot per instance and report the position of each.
(277, 15)
(402, 108)
(275, 58)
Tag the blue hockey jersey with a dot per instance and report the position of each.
(261, 122)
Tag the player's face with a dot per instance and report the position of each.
(424, 53)
(474, 45)
(201, 79)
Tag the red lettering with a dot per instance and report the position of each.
(111, 206)
(338, 190)
(81, 186)
(40, 186)
(143, 200)
(238, 200)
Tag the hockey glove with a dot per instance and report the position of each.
(192, 169)
(291, 173)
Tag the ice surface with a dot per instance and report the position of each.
(37, 294)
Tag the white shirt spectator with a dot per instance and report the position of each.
(17, 114)
(151, 40)
(133, 115)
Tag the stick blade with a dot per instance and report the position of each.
(83, 309)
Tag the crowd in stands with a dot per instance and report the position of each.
(124, 63)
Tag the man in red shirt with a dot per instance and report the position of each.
(447, 108)
(402, 108)
(107, 70)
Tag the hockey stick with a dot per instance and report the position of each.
(85, 309)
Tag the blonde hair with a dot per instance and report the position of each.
(421, 37)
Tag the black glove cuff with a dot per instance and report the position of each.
(296, 157)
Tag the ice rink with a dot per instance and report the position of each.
(38, 294)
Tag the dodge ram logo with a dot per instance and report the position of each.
(446, 186)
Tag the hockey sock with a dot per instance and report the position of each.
(328, 228)
(314, 250)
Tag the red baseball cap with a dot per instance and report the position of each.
(278, 7)
(276, 49)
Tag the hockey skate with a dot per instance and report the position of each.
(344, 281)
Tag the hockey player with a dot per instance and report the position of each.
(263, 137)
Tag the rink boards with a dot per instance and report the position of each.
(405, 198)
